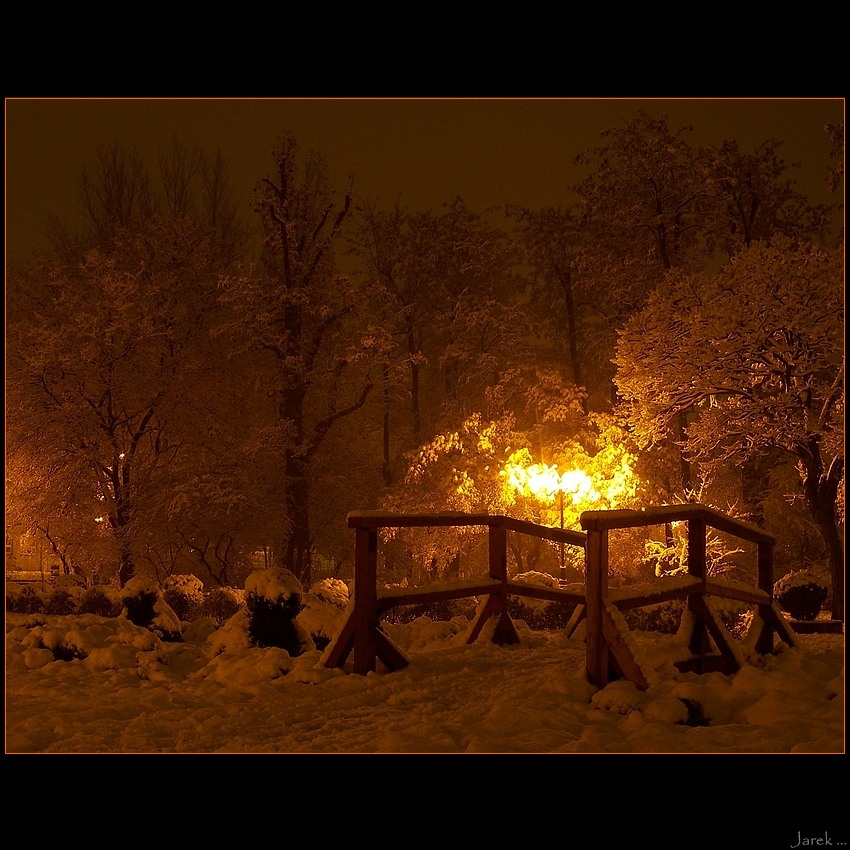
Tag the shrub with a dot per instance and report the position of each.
(69, 581)
(540, 614)
(221, 603)
(273, 601)
(184, 594)
(662, 617)
(63, 601)
(102, 601)
(147, 609)
(443, 611)
(801, 594)
(323, 610)
(736, 616)
(139, 599)
(24, 600)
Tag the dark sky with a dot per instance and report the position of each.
(488, 151)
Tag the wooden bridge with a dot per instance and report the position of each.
(609, 645)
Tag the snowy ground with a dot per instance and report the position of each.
(132, 693)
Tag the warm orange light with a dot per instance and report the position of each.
(546, 484)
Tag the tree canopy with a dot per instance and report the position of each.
(209, 408)
(754, 357)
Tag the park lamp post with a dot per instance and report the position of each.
(562, 577)
(543, 482)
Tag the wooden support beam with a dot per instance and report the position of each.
(696, 548)
(724, 641)
(482, 615)
(615, 630)
(576, 618)
(698, 643)
(337, 651)
(764, 644)
(773, 614)
(596, 650)
(497, 546)
(394, 657)
(397, 596)
(505, 631)
(365, 599)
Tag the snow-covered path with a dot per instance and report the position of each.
(134, 694)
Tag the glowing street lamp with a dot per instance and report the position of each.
(543, 482)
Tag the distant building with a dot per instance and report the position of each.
(28, 559)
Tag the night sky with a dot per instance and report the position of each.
(487, 151)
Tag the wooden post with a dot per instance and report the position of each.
(698, 643)
(696, 548)
(596, 659)
(365, 599)
(764, 644)
(498, 551)
(498, 561)
(498, 602)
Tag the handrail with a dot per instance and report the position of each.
(606, 634)
(361, 632)
(600, 630)
(389, 519)
(599, 520)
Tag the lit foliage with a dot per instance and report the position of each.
(755, 350)
(478, 469)
(458, 470)
(672, 559)
(754, 357)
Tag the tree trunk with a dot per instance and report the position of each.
(686, 468)
(835, 547)
(126, 565)
(414, 380)
(386, 471)
(755, 485)
(297, 558)
(821, 490)
(572, 332)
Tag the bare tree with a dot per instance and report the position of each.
(302, 317)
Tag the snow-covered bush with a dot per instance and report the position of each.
(802, 593)
(68, 581)
(662, 560)
(64, 600)
(103, 601)
(441, 611)
(221, 603)
(324, 610)
(273, 598)
(662, 617)
(145, 607)
(24, 599)
(184, 594)
(539, 614)
(736, 616)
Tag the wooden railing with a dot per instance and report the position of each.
(607, 635)
(609, 650)
(361, 630)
